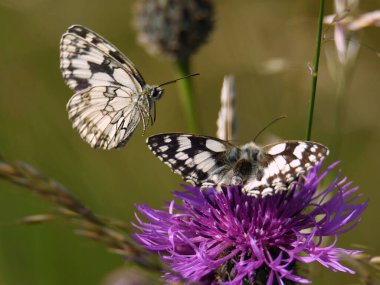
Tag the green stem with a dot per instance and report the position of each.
(315, 70)
(186, 94)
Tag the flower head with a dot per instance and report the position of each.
(174, 28)
(231, 238)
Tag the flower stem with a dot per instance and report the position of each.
(315, 70)
(186, 94)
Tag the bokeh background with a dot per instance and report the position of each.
(267, 45)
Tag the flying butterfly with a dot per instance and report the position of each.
(111, 97)
(207, 161)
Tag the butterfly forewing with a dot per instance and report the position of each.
(282, 164)
(195, 158)
(111, 95)
(207, 161)
(89, 60)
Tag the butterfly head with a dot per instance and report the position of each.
(156, 93)
(250, 151)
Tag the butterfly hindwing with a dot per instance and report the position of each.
(104, 116)
(88, 60)
(284, 163)
(198, 159)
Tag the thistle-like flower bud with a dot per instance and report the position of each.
(174, 28)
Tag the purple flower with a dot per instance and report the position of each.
(231, 238)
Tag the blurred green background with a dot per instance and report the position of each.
(248, 36)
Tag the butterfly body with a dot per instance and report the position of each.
(111, 97)
(210, 162)
(240, 164)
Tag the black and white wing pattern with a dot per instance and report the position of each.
(200, 160)
(111, 96)
(261, 171)
(88, 60)
(282, 164)
(105, 116)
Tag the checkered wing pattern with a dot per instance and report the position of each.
(104, 116)
(89, 60)
(207, 162)
(282, 164)
(110, 99)
(198, 159)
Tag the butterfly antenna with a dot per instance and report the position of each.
(268, 125)
(175, 80)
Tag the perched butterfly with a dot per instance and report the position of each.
(207, 161)
(111, 97)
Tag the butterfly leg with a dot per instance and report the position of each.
(217, 187)
(154, 113)
(143, 117)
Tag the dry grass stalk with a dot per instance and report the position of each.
(114, 234)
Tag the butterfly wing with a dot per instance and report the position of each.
(108, 104)
(282, 164)
(105, 116)
(201, 160)
(88, 60)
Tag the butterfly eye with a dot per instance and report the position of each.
(157, 93)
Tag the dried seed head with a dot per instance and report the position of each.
(36, 219)
(375, 260)
(227, 121)
(174, 28)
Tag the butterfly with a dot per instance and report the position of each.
(210, 162)
(111, 97)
